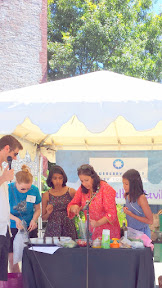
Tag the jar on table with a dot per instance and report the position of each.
(96, 243)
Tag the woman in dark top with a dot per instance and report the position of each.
(54, 205)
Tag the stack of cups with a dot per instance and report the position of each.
(105, 239)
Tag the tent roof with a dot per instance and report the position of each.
(86, 112)
(73, 135)
(119, 135)
(96, 98)
(91, 87)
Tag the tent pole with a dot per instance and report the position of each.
(39, 165)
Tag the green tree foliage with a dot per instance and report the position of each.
(118, 35)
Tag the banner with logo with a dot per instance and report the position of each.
(112, 169)
(110, 166)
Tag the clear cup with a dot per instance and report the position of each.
(33, 240)
(96, 243)
(40, 240)
(48, 240)
(56, 240)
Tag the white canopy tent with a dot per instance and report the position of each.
(95, 99)
(99, 111)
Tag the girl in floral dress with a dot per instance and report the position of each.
(54, 205)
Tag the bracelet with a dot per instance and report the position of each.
(34, 220)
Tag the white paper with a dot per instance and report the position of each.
(30, 198)
(48, 250)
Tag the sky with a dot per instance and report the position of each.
(157, 6)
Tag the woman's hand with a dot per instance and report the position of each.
(75, 209)
(32, 225)
(94, 223)
(19, 224)
(126, 211)
(49, 209)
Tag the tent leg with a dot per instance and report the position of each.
(39, 165)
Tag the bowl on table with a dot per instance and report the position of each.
(81, 242)
(65, 239)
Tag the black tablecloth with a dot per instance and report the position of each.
(108, 268)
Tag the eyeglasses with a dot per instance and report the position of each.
(85, 167)
(15, 153)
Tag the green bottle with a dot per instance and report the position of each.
(105, 239)
(124, 230)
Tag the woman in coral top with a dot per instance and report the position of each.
(102, 209)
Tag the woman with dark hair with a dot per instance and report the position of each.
(102, 209)
(54, 205)
(137, 210)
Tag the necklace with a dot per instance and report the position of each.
(94, 193)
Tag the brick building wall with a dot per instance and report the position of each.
(23, 43)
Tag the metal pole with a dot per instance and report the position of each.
(87, 270)
(39, 165)
(87, 208)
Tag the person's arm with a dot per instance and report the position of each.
(98, 223)
(37, 212)
(109, 205)
(7, 175)
(46, 208)
(72, 192)
(73, 207)
(17, 220)
(142, 201)
(33, 222)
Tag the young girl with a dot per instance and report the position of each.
(24, 199)
(54, 205)
(137, 210)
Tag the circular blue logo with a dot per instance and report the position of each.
(118, 163)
